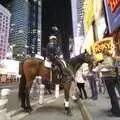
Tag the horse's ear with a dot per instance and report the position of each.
(86, 51)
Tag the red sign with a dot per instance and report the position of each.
(113, 4)
(112, 9)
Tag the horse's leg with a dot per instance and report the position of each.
(66, 95)
(23, 95)
(28, 87)
(22, 91)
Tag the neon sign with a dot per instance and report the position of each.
(113, 4)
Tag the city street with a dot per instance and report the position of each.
(55, 111)
(53, 108)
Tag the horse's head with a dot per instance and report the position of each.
(84, 57)
(87, 57)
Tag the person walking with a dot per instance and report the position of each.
(80, 79)
(108, 74)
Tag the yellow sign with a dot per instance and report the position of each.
(104, 45)
(89, 13)
(101, 46)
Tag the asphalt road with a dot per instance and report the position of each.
(55, 111)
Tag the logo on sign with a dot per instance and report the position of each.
(113, 4)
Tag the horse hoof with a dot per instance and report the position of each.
(68, 112)
(28, 109)
(23, 108)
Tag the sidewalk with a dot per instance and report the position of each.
(98, 109)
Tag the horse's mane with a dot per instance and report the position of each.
(78, 58)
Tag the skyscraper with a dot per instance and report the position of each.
(80, 18)
(39, 27)
(25, 26)
(77, 17)
(78, 25)
(4, 30)
(19, 26)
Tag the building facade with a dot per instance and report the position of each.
(4, 30)
(25, 30)
(39, 27)
(19, 26)
(78, 25)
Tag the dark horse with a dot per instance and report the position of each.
(33, 67)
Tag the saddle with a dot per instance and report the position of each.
(47, 64)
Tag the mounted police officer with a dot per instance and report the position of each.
(53, 47)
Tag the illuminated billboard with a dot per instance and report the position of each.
(112, 8)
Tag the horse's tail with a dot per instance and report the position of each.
(22, 82)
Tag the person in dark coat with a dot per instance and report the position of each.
(107, 70)
(117, 66)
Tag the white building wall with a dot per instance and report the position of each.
(74, 16)
(78, 27)
(4, 30)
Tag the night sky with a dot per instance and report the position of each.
(57, 12)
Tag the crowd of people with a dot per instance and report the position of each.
(107, 72)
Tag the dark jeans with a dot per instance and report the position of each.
(93, 86)
(110, 85)
(118, 85)
(81, 87)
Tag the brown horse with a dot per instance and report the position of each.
(33, 67)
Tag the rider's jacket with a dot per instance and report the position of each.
(53, 49)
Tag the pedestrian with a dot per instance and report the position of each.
(91, 76)
(109, 76)
(117, 66)
(80, 79)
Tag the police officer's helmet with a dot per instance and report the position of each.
(53, 38)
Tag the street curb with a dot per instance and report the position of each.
(84, 110)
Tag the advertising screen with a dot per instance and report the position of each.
(112, 8)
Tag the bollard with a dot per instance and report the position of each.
(57, 94)
(41, 97)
